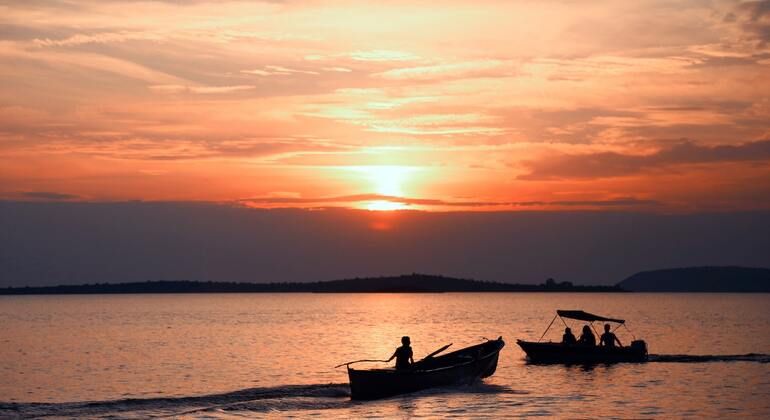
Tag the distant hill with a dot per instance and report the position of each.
(411, 283)
(700, 279)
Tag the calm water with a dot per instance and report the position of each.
(212, 356)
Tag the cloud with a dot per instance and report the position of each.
(97, 38)
(337, 69)
(754, 18)
(436, 124)
(273, 200)
(170, 148)
(59, 62)
(272, 70)
(47, 195)
(219, 89)
(466, 69)
(27, 32)
(200, 89)
(613, 164)
(383, 55)
(189, 150)
(724, 61)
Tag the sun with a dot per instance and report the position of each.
(386, 181)
(383, 205)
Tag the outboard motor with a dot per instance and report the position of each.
(639, 345)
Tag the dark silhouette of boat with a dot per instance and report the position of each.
(463, 366)
(550, 352)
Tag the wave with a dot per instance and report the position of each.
(285, 397)
(706, 358)
(257, 400)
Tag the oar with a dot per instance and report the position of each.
(436, 352)
(362, 360)
(375, 360)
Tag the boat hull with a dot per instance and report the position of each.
(461, 367)
(577, 354)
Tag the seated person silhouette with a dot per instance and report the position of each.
(568, 337)
(403, 354)
(587, 337)
(608, 339)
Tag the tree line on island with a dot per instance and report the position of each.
(694, 279)
(411, 283)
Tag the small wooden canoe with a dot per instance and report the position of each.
(463, 366)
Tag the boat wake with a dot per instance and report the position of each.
(288, 397)
(251, 400)
(706, 358)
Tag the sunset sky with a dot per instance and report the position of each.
(639, 105)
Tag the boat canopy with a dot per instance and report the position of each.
(585, 316)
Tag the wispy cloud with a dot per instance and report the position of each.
(337, 69)
(48, 195)
(200, 89)
(98, 38)
(754, 19)
(382, 55)
(437, 72)
(612, 164)
(272, 70)
(427, 202)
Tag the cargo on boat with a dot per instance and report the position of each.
(550, 352)
(463, 366)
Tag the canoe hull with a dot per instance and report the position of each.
(577, 354)
(461, 367)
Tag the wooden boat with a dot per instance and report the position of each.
(550, 352)
(463, 366)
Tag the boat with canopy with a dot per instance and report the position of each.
(550, 352)
(464, 366)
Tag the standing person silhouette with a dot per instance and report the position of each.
(608, 339)
(403, 354)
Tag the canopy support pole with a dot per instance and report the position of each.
(549, 327)
(628, 329)
(592, 327)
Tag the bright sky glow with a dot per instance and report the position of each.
(474, 105)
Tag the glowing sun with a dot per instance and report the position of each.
(386, 181)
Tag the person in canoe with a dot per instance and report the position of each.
(608, 339)
(568, 337)
(587, 338)
(403, 354)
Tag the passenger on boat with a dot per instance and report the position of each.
(587, 338)
(403, 354)
(608, 339)
(568, 337)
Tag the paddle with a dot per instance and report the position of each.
(362, 360)
(426, 358)
(435, 352)
(375, 360)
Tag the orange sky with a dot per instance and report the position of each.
(473, 105)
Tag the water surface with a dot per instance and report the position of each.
(223, 355)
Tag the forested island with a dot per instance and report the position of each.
(700, 279)
(691, 279)
(411, 283)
